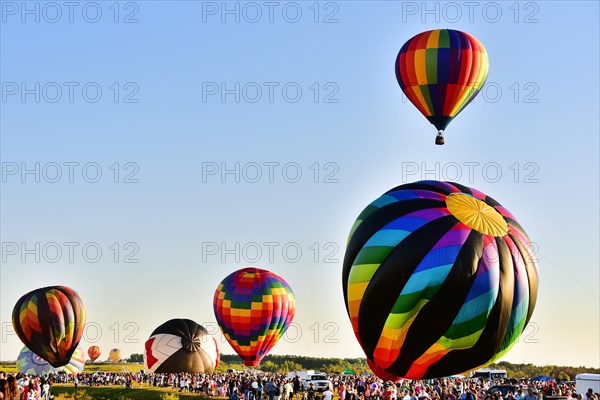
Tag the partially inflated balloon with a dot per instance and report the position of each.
(438, 279)
(441, 71)
(254, 308)
(50, 322)
(115, 355)
(381, 373)
(94, 352)
(181, 345)
(30, 363)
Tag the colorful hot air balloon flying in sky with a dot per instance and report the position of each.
(438, 279)
(50, 322)
(30, 363)
(94, 352)
(181, 345)
(441, 71)
(254, 308)
(115, 356)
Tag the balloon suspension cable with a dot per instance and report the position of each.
(439, 139)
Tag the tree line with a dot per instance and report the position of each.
(287, 363)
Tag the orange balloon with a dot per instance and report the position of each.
(94, 352)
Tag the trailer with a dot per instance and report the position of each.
(584, 382)
(302, 375)
(487, 373)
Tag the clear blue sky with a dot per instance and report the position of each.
(539, 110)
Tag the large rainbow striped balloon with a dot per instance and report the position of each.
(438, 279)
(441, 71)
(254, 308)
(50, 322)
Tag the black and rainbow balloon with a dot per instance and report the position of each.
(438, 279)
(50, 322)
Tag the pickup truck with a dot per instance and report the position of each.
(320, 382)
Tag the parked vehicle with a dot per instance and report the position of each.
(302, 375)
(583, 382)
(320, 382)
(491, 374)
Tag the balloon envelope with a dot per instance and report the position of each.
(253, 307)
(115, 355)
(50, 322)
(438, 279)
(94, 352)
(441, 71)
(30, 363)
(381, 373)
(181, 345)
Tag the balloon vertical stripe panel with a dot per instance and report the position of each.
(438, 279)
(50, 322)
(441, 72)
(254, 307)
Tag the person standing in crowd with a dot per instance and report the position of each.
(4, 391)
(342, 391)
(387, 393)
(254, 389)
(328, 394)
(270, 388)
(30, 392)
(468, 394)
(311, 392)
(394, 390)
(288, 390)
(181, 384)
(530, 395)
(14, 388)
(45, 390)
(297, 385)
(589, 393)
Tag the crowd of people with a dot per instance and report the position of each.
(24, 387)
(251, 385)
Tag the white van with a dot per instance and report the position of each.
(583, 382)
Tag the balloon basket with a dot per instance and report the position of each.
(439, 139)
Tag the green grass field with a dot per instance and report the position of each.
(12, 367)
(118, 392)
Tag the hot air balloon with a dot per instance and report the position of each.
(50, 322)
(254, 308)
(438, 279)
(441, 71)
(32, 364)
(381, 373)
(115, 356)
(181, 345)
(94, 352)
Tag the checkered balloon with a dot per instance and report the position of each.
(254, 307)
